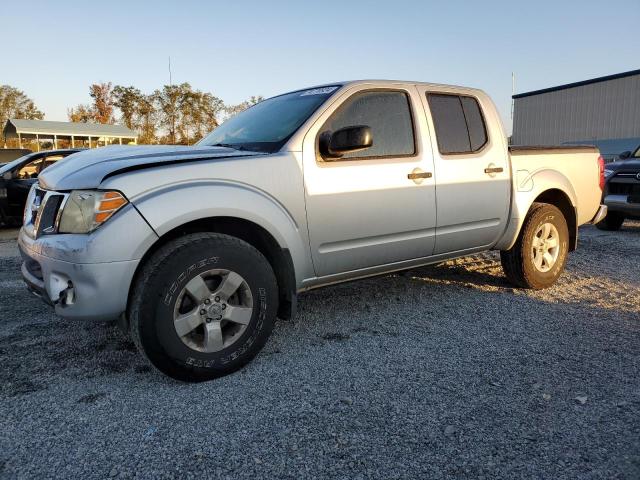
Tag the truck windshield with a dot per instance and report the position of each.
(267, 126)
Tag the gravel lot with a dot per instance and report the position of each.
(443, 371)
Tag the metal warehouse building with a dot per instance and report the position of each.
(603, 108)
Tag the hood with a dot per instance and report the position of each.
(87, 169)
(632, 164)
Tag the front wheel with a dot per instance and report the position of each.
(539, 255)
(203, 306)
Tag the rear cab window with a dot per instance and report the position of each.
(459, 124)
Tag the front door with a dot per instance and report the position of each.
(375, 206)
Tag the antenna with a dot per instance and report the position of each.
(513, 92)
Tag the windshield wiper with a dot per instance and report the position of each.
(228, 145)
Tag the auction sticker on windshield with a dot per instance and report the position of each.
(318, 91)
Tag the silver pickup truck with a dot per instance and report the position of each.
(198, 249)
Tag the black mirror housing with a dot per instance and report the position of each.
(624, 155)
(346, 140)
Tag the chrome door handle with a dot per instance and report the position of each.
(416, 175)
(493, 170)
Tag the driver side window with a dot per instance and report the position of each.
(387, 113)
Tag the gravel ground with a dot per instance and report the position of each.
(443, 371)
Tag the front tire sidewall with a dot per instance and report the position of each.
(158, 337)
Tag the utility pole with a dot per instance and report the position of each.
(513, 92)
(173, 113)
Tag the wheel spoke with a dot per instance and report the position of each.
(552, 242)
(548, 258)
(241, 315)
(546, 229)
(188, 322)
(198, 289)
(536, 241)
(537, 260)
(213, 341)
(229, 285)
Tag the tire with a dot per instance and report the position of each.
(613, 221)
(527, 267)
(218, 337)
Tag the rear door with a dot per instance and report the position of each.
(364, 210)
(472, 170)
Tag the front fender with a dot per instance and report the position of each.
(529, 185)
(180, 203)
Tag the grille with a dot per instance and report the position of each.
(624, 183)
(42, 211)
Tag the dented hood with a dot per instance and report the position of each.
(87, 169)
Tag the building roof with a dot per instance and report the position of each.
(578, 84)
(43, 127)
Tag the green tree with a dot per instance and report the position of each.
(15, 104)
(148, 118)
(186, 114)
(127, 100)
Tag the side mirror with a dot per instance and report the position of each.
(346, 140)
(624, 155)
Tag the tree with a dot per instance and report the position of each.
(80, 114)
(231, 110)
(15, 104)
(127, 100)
(148, 116)
(186, 114)
(100, 111)
(102, 102)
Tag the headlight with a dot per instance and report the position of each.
(608, 173)
(86, 210)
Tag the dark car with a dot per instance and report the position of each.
(622, 190)
(17, 177)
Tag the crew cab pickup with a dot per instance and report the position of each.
(197, 249)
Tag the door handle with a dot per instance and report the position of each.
(493, 170)
(417, 175)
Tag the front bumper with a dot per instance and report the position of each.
(87, 276)
(620, 203)
(96, 291)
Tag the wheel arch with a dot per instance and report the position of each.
(546, 186)
(561, 200)
(278, 257)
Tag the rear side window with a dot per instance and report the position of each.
(388, 115)
(458, 121)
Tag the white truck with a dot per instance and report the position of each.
(198, 249)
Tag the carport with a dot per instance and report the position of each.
(88, 135)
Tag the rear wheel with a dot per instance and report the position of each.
(539, 255)
(613, 221)
(203, 306)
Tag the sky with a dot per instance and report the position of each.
(53, 51)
